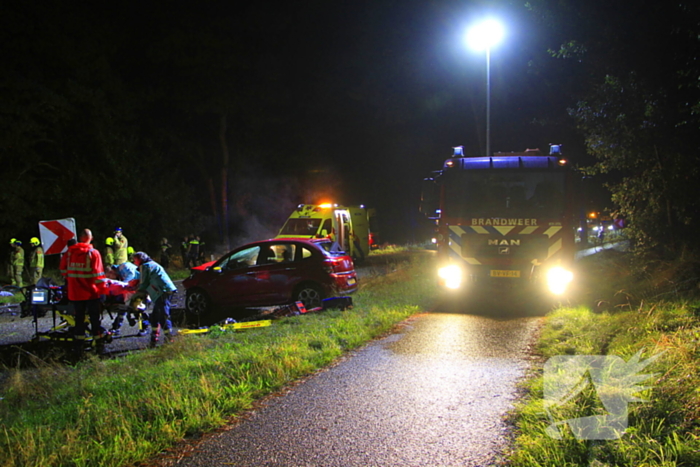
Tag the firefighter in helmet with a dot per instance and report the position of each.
(121, 244)
(17, 262)
(36, 260)
(109, 253)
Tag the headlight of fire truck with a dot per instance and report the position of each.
(450, 276)
(558, 280)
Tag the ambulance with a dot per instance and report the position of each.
(348, 226)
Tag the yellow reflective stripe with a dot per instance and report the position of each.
(504, 230)
(77, 274)
(457, 229)
(552, 231)
(456, 248)
(554, 248)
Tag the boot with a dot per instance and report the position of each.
(154, 340)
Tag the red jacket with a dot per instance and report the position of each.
(81, 265)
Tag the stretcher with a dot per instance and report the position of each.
(46, 297)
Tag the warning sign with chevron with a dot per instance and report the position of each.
(55, 235)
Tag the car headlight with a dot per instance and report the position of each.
(558, 279)
(451, 276)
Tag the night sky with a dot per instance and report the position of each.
(386, 89)
(352, 102)
(399, 87)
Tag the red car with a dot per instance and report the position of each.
(271, 272)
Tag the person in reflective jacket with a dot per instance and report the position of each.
(121, 246)
(16, 262)
(109, 253)
(157, 284)
(81, 265)
(36, 260)
(193, 251)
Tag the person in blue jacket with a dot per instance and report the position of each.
(157, 284)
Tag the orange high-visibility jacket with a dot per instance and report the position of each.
(81, 265)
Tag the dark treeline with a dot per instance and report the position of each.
(633, 69)
(142, 117)
(168, 119)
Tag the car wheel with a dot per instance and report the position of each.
(310, 295)
(197, 302)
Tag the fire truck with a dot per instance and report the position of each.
(348, 226)
(504, 221)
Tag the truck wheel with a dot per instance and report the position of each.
(310, 295)
(198, 302)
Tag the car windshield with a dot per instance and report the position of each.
(241, 259)
(301, 227)
(502, 193)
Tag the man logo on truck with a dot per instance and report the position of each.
(504, 242)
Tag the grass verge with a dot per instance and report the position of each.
(662, 430)
(123, 411)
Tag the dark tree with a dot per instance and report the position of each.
(635, 69)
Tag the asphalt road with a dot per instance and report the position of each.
(432, 394)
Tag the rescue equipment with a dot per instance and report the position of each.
(257, 321)
(45, 297)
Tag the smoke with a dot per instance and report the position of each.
(260, 204)
(258, 207)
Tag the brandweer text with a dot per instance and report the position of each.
(504, 221)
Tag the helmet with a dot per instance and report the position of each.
(109, 241)
(117, 229)
(12, 241)
(130, 250)
(34, 241)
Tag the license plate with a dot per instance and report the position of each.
(351, 281)
(504, 273)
